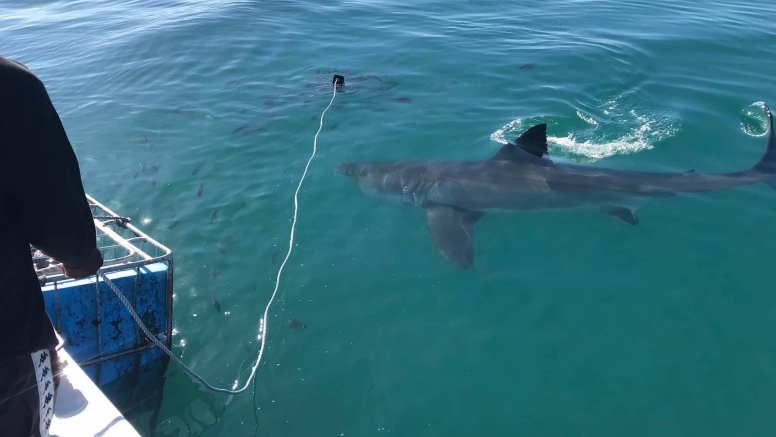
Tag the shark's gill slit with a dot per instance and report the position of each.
(408, 191)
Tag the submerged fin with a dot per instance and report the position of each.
(622, 213)
(689, 171)
(453, 233)
(534, 140)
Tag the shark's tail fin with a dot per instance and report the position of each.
(768, 162)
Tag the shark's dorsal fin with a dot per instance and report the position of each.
(510, 152)
(534, 140)
(533, 143)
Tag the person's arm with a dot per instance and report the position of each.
(59, 222)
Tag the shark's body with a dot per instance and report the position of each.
(520, 177)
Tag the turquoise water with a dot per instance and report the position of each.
(571, 323)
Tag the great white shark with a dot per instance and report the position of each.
(522, 177)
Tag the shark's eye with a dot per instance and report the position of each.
(363, 172)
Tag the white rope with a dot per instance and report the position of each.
(263, 324)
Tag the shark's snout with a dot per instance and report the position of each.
(347, 169)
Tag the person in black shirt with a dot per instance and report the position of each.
(33, 145)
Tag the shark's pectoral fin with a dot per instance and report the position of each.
(622, 213)
(453, 233)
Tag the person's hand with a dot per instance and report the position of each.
(92, 265)
(40, 263)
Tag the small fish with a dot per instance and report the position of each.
(247, 129)
(215, 301)
(214, 216)
(296, 324)
(221, 246)
(529, 66)
(143, 168)
(378, 109)
(274, 103)
(181, 109)
(153, 169)
(274, 258)
(116, 184)
(236, 209)
(335, 125)
(196, 169)
(153, 182)
(403, 100)
(388, 85)
(135, 177)
(173, 223)
(240, 129)
(144, 136)
(200, 189)
(214, 273)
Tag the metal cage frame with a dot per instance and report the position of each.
(123, 247)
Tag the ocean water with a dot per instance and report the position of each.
(570, 323)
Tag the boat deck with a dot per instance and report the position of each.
(81, 409)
